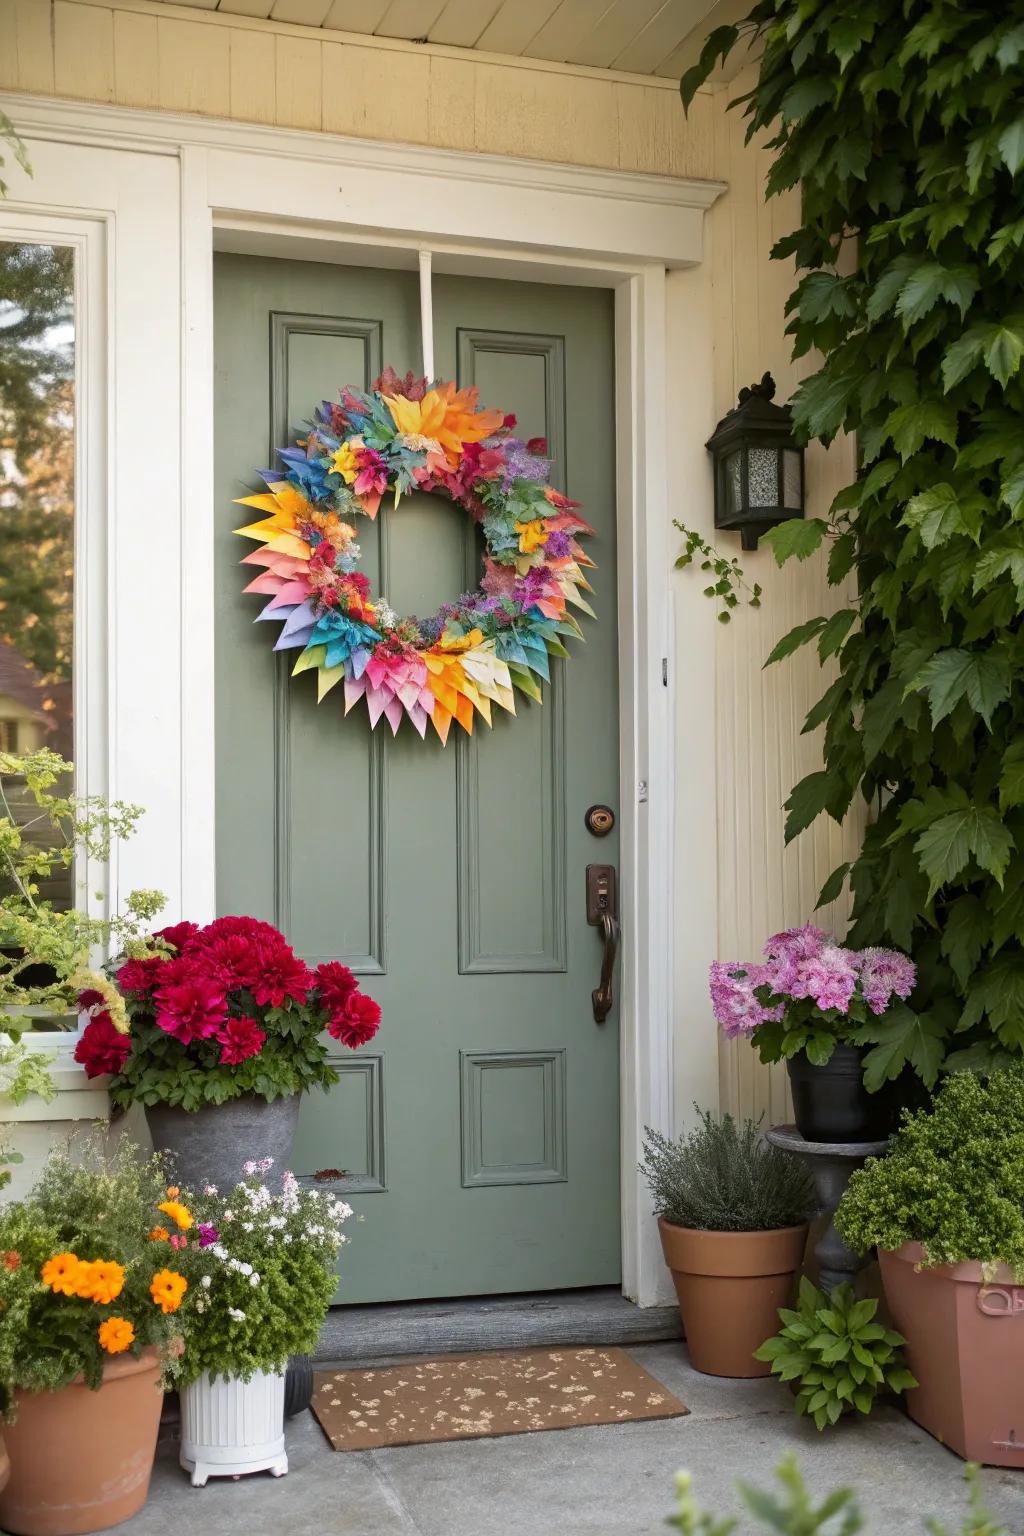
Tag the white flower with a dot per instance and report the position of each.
(247, 1226)
(229, 1215)
(249, 1167)
(209, 1189)
(287, 1237)
(254, 1280)
(245, 1269)
(205, 1282)
(236, 1314)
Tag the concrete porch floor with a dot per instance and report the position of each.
(614, 1480)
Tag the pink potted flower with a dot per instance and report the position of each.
(821, 1007)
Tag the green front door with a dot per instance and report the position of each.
(478, 1134)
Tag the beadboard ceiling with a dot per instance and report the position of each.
(641, 37)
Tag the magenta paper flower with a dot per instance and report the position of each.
(190, 1010)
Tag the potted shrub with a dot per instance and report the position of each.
(45, 951)
(260, 1267)
(226, 1034)
(945, 1209)
(732, 1213)
(819, 1006)
(88, 1302)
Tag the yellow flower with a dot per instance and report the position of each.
(343, 462)
(101, 1281)
(116, 1334)
(532, 535)
(179, 1214)
(61, 1273)
(462, 642)
(113, 1002)
(159, 1235)
(167, 1288)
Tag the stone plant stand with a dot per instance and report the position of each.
(830, 1164)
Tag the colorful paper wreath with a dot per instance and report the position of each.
(404, 436)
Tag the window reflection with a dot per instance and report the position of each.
(37, 500)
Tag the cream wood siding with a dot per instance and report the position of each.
(143, 54)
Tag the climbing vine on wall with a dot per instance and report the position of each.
(902, 126)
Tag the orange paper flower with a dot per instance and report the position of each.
(167, 1289)
(179, 1214)
(61, 1273)
(173, 1191)
(159, 1235)
(101, 1281)
(116, 1334)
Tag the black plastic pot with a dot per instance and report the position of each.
(831, 1103)
(298, 1385)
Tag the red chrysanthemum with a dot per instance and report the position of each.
(140, 975)
(240, 1038)
(178, 935)
(90, 998)
(282, 977)
(336, 984)
(102, 1048)
(241, 927)
(357, 1022)
(191, 1010)
(233, 961)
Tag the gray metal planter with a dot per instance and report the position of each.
(210, 1145)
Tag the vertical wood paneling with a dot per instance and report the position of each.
(764, 886)
(194, 66)
(253, 76)
(298, 83)
(136, 60)
(83, 51)
(27, 52)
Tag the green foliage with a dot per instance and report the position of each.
(722, 1177)
(10, 137)
(901, 126)
(953, 1179)
(260, 1291)
(794, 1514)
(45, 953)
(24, 1072)
(729, 586)
(94, 1208)
(839, 1356)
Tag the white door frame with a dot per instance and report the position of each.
(251, 188)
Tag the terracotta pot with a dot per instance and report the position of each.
(5, 1465)
(81, 1460)
(965, 1345)
(730, 1286)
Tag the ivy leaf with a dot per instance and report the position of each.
(1004, 348)
(1011, 146)
(930, 282)
(983, 679)
(1011, 780)
(904, 1038)
(911, 425)
(796, 536)
(938, 515)
(965, 933)
(944, 848)
(718, 45)
(832, 889)
(882, 712)
(810, 797)
(835, 632)
(792, 641)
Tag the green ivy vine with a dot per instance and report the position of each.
(902, 125)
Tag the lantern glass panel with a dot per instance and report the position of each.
(763, 477)
(792, 491)
(733, 482)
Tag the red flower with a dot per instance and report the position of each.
(357, 1022)
(509, 421)
(336, 985)
(538, 445)
(241, 927)
(178, 935)
(102, 1048)
(191, 1010)
(282, 977)
(240, 1038)
(140, 975)
(12, 1259)
(89, 999)
(234, 961)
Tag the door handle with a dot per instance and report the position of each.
(602, 912)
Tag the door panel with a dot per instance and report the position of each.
(477, 1135)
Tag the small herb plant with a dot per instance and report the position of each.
(839, 1356)
(24, 1072)
(729, 586)
(722, 1177)
(80, 1278)
(45, 952)
(260, 1267)
(953, 1179)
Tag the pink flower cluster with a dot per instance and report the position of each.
(806, 963)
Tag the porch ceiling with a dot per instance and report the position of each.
(641, 37)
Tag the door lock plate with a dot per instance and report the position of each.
(602, 895)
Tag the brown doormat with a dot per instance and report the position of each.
(465, 1397)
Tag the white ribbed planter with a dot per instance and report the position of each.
(231, 1426)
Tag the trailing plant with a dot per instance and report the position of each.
(729, 586)
(24, 1072)
(80, 1278)
(953, 1179)
(11, 138)
(45, 952)
(8, 1159)
(218, 1012)
(795, 1513)
(840, 1358)
(260, 1267)
(722, 1177)
(901, 126)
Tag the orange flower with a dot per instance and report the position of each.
(167, 1289)
(159, 1235)
(12, 1259)
(101, 1281)
(61, 1273)
(173, 1191)
(116, 1334)
(179, 1214)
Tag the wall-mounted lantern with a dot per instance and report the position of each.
(759, 468)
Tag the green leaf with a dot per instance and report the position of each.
(833, 886)
(797, 536)
(910, 426)
(944, 847)
(949, 676)
(928, 283)
(1011, 146)
(1004, 349)
(938, 515)
(882, 712)
(904, 1039)
(1011, 779)
(718, 45)
(807, 801)
(792, 641)
(965, 932)
(835, 632)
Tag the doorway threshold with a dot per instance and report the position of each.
(374, 1333)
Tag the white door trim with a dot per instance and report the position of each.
(247, 187)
